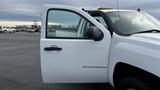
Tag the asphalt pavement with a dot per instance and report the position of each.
(20, 65)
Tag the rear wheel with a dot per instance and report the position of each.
(132, 84)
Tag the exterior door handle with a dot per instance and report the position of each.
(52, 48)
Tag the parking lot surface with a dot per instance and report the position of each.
(20, 65)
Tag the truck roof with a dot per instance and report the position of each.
(115, 10)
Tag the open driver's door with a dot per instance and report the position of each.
(67, 55)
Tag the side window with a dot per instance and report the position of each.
(65, 24)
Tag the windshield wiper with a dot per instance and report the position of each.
(148, 31)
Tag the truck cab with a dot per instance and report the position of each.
(119, 47)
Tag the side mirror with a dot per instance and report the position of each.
(95, 34)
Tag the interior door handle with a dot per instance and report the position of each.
(52, 48)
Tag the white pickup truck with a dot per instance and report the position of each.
(119, 47)
(7, 29)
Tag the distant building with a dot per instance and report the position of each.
(19, 23)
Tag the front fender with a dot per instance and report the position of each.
(138, 54)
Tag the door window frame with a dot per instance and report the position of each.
(65, 37)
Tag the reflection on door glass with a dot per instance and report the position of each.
(62, 24)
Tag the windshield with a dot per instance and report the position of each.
(128, 22)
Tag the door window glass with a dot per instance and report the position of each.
(65, 24)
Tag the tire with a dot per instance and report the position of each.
(132, 84)
(5, 31)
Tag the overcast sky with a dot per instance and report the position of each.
(30, 10)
